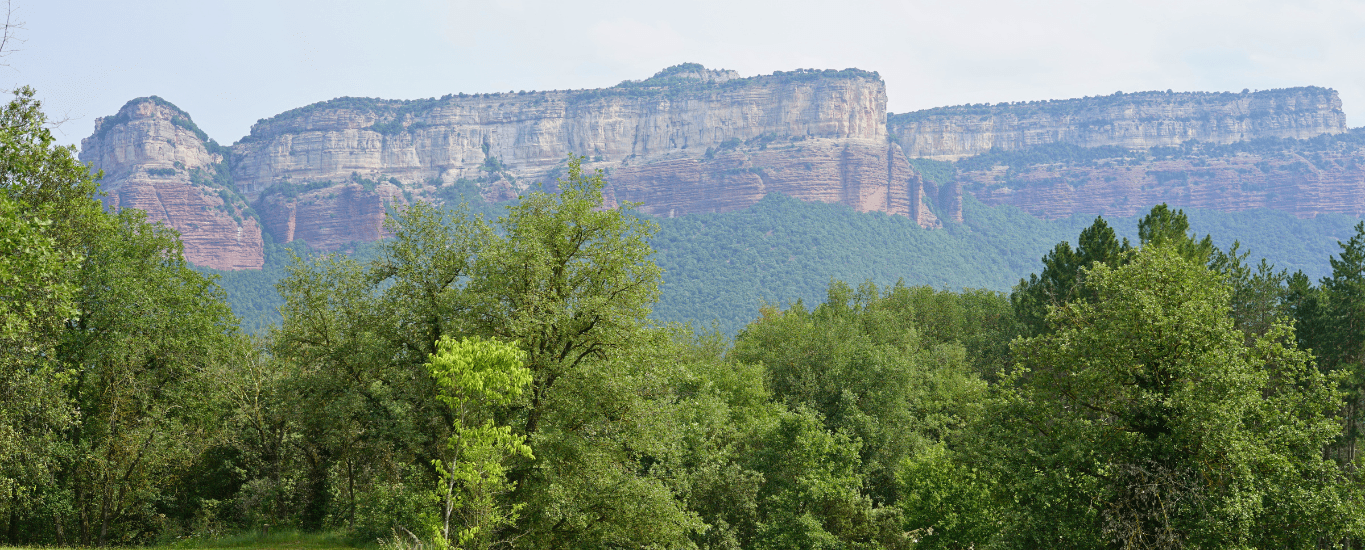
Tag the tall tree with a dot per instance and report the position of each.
(1062, 278)
(46, 209)
(1147, 420)
(569, 279)
(137, 354)
(1335, 316)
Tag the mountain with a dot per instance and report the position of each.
(1305, 178)
(691, 140)
(687, 140)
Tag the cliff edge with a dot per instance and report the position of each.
(1134, 121)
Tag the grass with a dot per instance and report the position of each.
(286, 539)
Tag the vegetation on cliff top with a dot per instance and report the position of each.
(1091, 104)
(180, 118)
(397, 115)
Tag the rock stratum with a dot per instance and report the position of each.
(1134, 121)
(155, 159)
(1303, 177)
(692, 140)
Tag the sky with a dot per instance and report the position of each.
(229, 63)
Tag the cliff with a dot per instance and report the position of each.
(687, 140)
(1303, 177)
(155, 159)
(1135, 121)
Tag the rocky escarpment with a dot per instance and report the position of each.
(1134, 121)
(155, 159)
(687, 140)
(1303, 177)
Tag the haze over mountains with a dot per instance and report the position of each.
(692, 140)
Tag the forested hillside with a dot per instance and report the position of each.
(719, 268)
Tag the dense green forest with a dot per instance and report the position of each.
(720, 268)
(480, 382)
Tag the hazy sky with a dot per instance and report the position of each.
(231, 62)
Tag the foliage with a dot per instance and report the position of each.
(106, 378)
(473, 375)
(1146, 419)
(1048, 153)
(938, 172)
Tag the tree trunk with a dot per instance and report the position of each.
(13, 536)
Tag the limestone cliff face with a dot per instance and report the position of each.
(1134, 121)
(155, 159)
(1305, 183)
(687, 140)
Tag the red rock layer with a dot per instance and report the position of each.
(211, 236)
(866, 175)
(330, 218)
(1331, 182)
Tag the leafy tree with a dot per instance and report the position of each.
(1063, 277)
(889, 372)
(1146, 419)
(570, 280)
(946, 502)
(473, 375)
(147, 330)
(113, 326)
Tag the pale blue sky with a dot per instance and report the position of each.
(229, 63)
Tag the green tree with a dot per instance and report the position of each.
(148, 329)
(946, 502)
(105, 399)
(1062, 278)
(569, 279)
(473, 375)
(1147, 420)
(1334, 315)
(886, 371)
(360, 335)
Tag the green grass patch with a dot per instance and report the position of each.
(284, 539)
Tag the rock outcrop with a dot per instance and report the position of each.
(1303, 178)
(329, 218)
(687, 140)
(1134, 121)
(155, 159)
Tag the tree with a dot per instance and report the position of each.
(1145, 419)
(137, 354)
(569, 279)
(1335, 317)
(1062, 278)
(361, 335)
(473, 376)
